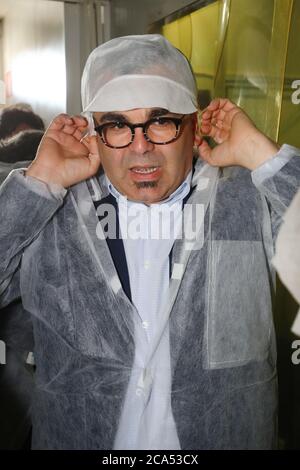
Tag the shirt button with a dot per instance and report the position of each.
(145, 324)
(147, 264)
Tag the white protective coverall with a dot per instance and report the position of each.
(219, 314)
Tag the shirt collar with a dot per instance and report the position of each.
(178, 195)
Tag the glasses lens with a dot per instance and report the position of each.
(117, 134)
(161, 130)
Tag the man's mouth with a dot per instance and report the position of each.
(149, 173)
(144, 170)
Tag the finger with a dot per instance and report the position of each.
(73, 123)
(206, 129)
(73, 146)
(72, 129)
(214, 116)
(207, 114)
(221, 114)
(206, 153)
(211, 116)
(85, 136)
(220, 136)
(213, 105)
(80, 121)
(69, 129)
(91, 143)
(220, 124)
(77, 134)
(204, 150)
(227, 105)
(232, 113)
(223, 104)
(219, 104)
(94, 158)
(221, 121)
(95, 162)
(209, 129)
(218, 133)
(60, 121)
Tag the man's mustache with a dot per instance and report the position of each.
(143, 160)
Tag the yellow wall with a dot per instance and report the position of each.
(248, 51)
(289, 129)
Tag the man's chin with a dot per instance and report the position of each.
(146, 192)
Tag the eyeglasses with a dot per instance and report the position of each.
(158, 130)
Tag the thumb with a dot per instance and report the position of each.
(91, 143)
(204, 151)
(95, 162)
(94, 155)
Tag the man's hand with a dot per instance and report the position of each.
(240, 142)
(63, 157)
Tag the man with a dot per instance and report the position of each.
(146, 342)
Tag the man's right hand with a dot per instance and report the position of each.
(62, 157)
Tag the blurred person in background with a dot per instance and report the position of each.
(20, 147)
(21, 131)
(17, 118)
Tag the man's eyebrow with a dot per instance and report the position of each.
(112, 117)
(158, 112)
(120, 117)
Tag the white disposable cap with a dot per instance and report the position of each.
(132, 72)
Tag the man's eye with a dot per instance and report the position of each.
(116, 125)
(161, 122)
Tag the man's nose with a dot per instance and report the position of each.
(140, 144)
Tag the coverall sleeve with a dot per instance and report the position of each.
(26, 205)
(278, 179)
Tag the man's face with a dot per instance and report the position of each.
(170, 163)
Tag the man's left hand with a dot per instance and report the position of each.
(240, 142)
